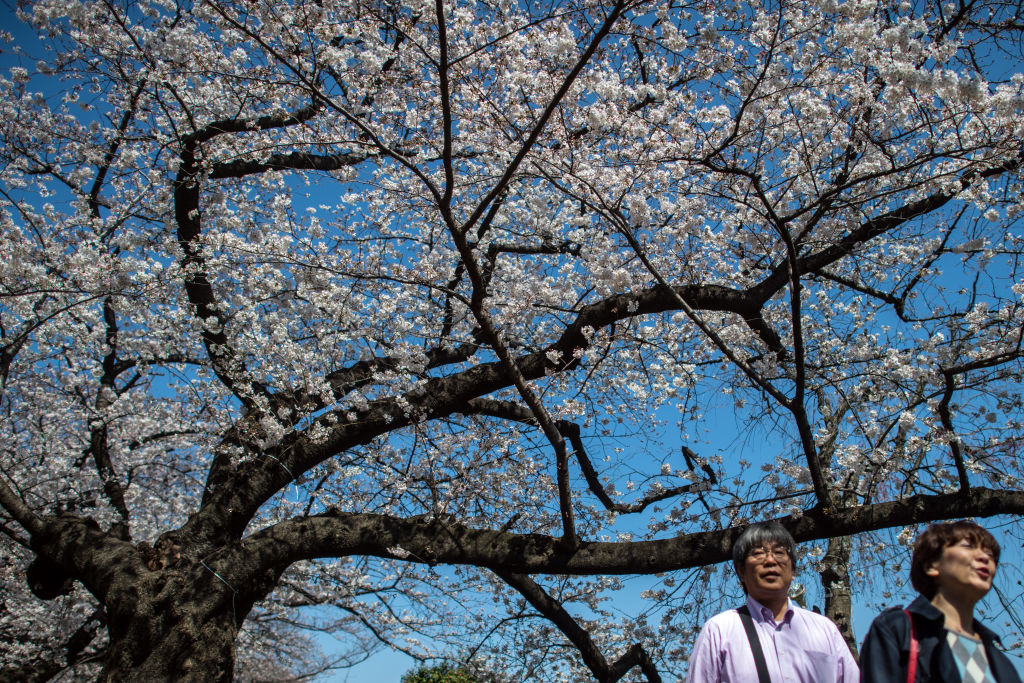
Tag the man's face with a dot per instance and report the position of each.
(767, 572)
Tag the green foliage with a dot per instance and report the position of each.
(440, 673)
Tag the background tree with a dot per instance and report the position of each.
(440, 673)
(352, 316)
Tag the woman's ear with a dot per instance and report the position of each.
(932, 569)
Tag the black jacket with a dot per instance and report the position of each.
(883, 657)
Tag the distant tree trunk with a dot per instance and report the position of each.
(835, 579)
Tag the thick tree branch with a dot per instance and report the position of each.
(443, 540)
(293, 161)
(244, 124)
(17, 509)
(78, 548)
(198, 287)
(226, 364)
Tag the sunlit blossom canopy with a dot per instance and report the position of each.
(351, 316)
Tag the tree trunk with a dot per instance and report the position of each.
(198, 646)
(179, 622)
(835, 579)
(172, 610)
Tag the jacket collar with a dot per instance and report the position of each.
(923, 608)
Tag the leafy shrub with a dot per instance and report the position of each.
(440, 673)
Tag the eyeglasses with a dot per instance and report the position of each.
(759, 555)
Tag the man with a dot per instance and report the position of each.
(796, 645)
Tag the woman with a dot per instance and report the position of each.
(952, 569)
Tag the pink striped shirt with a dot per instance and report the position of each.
(802, 648)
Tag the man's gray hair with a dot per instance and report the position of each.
(760, 535)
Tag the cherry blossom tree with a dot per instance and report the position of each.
(409, 322)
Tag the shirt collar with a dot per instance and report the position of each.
(763, 614)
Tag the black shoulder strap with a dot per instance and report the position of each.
(755, 645)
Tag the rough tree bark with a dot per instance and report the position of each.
(835, 580)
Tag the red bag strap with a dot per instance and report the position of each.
(912, 659)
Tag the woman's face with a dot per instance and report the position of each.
(964, 570)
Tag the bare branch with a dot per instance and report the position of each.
(578, 636)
